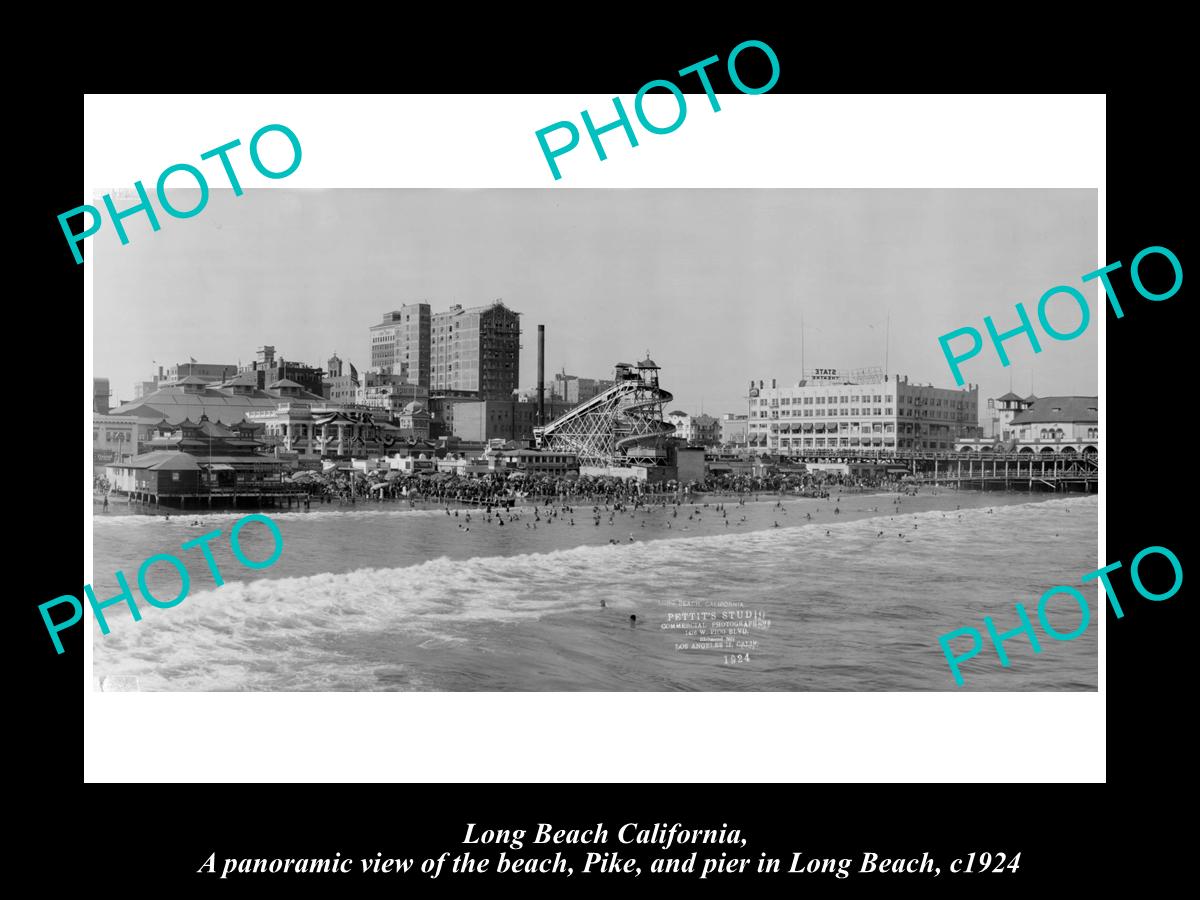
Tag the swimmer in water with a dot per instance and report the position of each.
(632, 620)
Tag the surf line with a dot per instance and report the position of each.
(126, 595)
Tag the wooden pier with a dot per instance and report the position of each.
(1014, 472)
(986, 471)
(219, 498)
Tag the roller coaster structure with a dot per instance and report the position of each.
(622, 426)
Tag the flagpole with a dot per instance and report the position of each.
(887, 338)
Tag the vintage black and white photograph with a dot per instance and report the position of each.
(594, 440)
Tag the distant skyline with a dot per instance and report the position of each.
(712, 283)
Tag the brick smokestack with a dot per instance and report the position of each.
(541, 375)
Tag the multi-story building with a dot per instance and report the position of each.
(859, 410)
(308, 377)
(114, 438)
(402, 339)
(697, 431)
(209, 372)
(485, 420)
(391, 392)
(412, 422)
(731, 429)
(100, 395)
(476, 349)
(575, 390)
(268, 368)
(341, 382)
(142, 388)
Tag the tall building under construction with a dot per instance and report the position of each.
(476, 349)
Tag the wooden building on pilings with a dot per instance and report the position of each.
(205, 464)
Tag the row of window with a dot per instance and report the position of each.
(833, 428)
(834, 442)
(817, 443)
(846, 411)
(907, 400)
(884, 428)
(811, 401)
(1057, 434)
(857, 411)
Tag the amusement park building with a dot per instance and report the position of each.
(621, 430)
(1044, 425)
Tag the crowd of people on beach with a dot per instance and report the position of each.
(498, 489)
(503, 489)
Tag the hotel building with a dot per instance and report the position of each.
(859, 410)
(400, 343)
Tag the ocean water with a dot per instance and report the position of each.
(382, 597)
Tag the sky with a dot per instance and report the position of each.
(714, 284)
